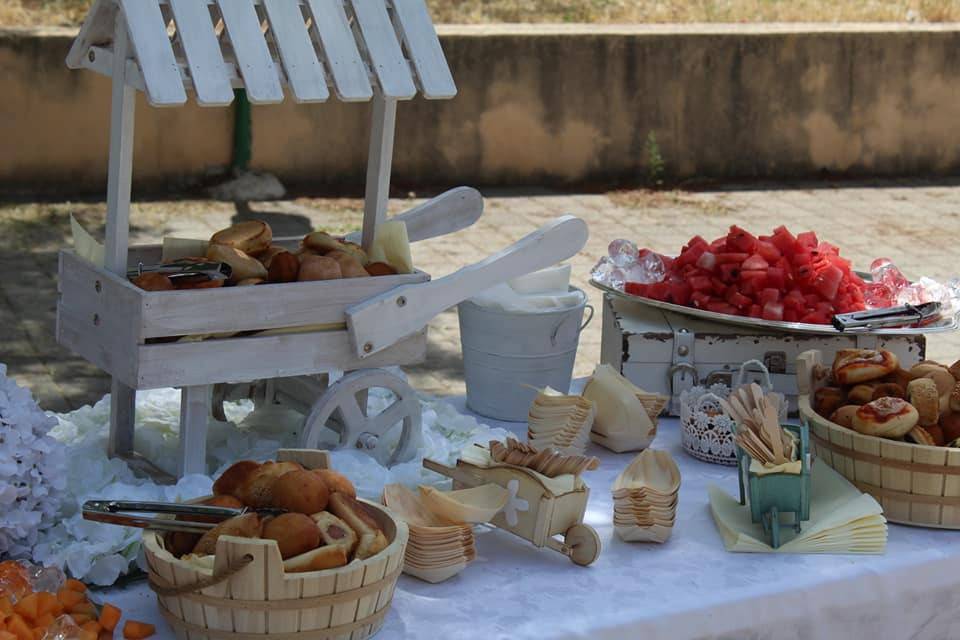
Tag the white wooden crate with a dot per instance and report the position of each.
(660, 351)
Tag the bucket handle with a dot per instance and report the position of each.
(556, 329)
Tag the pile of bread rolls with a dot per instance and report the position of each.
(870, 393)
(249, 250)
(324, 526)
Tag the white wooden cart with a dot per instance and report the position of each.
(360, 50)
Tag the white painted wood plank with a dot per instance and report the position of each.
(423, 46)
(120, 164)
(194, 416)
(383, 123)
(386, 56)
(98, 27)
(410, 308)
(304, 71)
(208, 71)
(259, 73)
(151, 44)
(350, 76)
(123, 402)
(230, 360)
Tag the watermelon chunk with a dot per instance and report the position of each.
(737, 258)
(768, 295)
(700, 283)
(808, 240)
(768, 251)
(827, 282)
(755, 311)
(707, 261)
(772, 311)
(776, 278)
(737, 299)
(721, 307)
(741, 240)
(699, 299)
(755, 263)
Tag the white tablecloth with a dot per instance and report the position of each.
(689, 587)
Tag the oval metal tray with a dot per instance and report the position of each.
(946, 323)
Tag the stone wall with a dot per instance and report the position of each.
(538, 105)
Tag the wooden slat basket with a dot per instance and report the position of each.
(915, 484)
(261, 601)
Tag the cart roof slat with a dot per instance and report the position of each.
(354, 49)
(304, 71)
(208, 70)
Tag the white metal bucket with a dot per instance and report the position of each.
(508, 355)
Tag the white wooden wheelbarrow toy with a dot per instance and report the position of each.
(355, 50)
(535, 511)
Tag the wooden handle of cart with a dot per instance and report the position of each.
(456, 473)
(449, 212)
(382, 321)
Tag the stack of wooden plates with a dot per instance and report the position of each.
(645, 498)
(560, 422)
(437, 549)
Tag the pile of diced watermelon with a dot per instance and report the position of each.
(777, 277)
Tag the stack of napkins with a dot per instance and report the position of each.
(842, 520)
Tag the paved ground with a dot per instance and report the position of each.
(914, 223)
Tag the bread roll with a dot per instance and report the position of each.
(319, 268)
(955, 370)
(251, 282)
(152, 281)
(889, 390)
(356, 251)
(939, 374)
(354, 513)
(326, 557)
(936, 432)
(266, 257)
(950, 425)
(919, 435)
(886, 418)
(380, 269)
(861, 394)
(954, 404)
(257, 490)
(246, 526)
(334, 531)
(924, 396)
(295, 533)
(251, 237)
(243, 265)
(336, 482)
(320, 242)
(350, 267)
(234, 477)
(855, 366)
(184, 283)
(180, 543)
(227, 501)
(844, 415)
(826, 400)
(300, 492)
(284, 267)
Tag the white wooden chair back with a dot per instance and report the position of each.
(354, 49)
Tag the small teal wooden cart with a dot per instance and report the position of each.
(776, 493)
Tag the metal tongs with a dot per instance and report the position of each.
(904, 316)
(185, 269)
(121, 512)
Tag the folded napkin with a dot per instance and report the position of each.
(842, 520)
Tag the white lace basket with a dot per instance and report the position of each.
(707, 431)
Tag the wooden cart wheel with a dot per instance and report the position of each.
(342, 409)
(584, 544)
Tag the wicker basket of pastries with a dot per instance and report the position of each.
(893, 432)
(325, 567)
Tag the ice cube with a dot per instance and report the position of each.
(648, 269)
(46, 578)
(877, 295)
(912, 294)
(608, 273)
(885, 272)
(622, 252)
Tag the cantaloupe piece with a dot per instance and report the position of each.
(109, 617)
(134, 630)
(19, 627)
(69, 598)
(47, 603)
(75, 585)
(27, 607)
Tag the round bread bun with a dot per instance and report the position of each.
(318, 268)
(284, 267)
(320, 242)
(234, 477)
(886, 418)
(300, 492)
(356, 251)
(939, 374)
(257, 491)
(936, 432)
(919, 435)
(215, 501)
(826, 400)
(180, 543)
(350, 267)
(251, 282)
(844, 415)
(861, 393)
(247, 525)
(295, 534)
(243, 266)
(889, 390)
(924, 396)
(251, 237)
(336, 482)
(855, 366)
(380, 269)
(152, 281)
(267, 256)
(955, 370)
(950, 425)
(955, 398)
